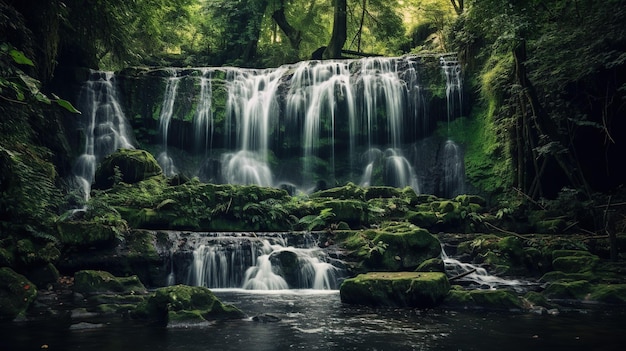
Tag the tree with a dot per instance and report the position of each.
(340, 30)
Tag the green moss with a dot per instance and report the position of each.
(91, 282)
(83, 234)
(125, 165)
(349, 191)
(576, 290)
(431, 265)
(394, 246)
(16, 294)
(413, 289)
(183, 303)
(483, 299)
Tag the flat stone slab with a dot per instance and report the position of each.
(399, 289)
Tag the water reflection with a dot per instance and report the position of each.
(314, 320)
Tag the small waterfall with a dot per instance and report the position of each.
(479, 278)
(262, 262)
(167, 110)
(105, 126)
(454, 85)
(318, 92)
(453, 170)
(253, 108)
(203, 119)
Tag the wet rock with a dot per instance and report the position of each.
(181, 304)
(402, 289)
(483, 299)
(16, 294)
(131, 166)
(93, 282)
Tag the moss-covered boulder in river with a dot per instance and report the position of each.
(16, 294)
(402, 289)
(91, 282)
(184, 304)
(394, 246)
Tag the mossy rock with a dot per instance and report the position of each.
(424, 219)
(402, 289)
(608, 293)
(133, 166)
(86, 234)
(375, 192)
(16, 294)
(466, 200)
(574, 264)
(432, 265)
(353, 212)
(569, 290)
(483, 299)
(349, 191)
(93, 282)
(554, 276)
(184, 304)
(44, 275)
(395, 246)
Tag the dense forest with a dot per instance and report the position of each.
(545, 81)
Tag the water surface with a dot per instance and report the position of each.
(316, 320)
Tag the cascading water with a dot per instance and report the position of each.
(454, 85)
(105, 126)
(261, 262)
(308, 125)
(452, 161)
(167, 110)
(203, 119)
(478, 277)
(251, 107)
(453, 169)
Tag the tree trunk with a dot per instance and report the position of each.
(294, 35)
(340, 30)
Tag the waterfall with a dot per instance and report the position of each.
(319, 92)
(261, 262)
(479, 277)
(252, 108)
(203, 119)
(311, 124)
(105, 127)
(454, 85)
(453, 170)
(167, 110)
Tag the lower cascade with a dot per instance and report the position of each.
(257, 261)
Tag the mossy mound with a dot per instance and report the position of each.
(16, 294)
(394, 246)
(92, 282)
(483, 299)
(349, 191)
(184, 304)
(402, 289)
(501, 255)
(126, 165)
(86, 233)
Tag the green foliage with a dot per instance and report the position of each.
(18, 87)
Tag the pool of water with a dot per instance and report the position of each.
(316, 320)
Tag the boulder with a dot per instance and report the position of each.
(483, 299)
(401, 289)
(395, 246)
(94, 282)
(131, 166)
(16, 294)
(182, 304)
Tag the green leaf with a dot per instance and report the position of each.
(20, 58)
(67, 105)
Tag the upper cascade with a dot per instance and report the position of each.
(305, 126)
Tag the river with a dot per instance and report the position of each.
(317, 320)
